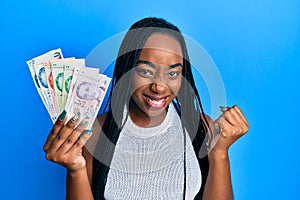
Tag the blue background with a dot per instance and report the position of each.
(255, 44)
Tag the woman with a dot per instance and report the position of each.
(155, 142)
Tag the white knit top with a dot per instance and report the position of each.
(148, 163)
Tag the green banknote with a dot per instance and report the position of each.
(57, 67)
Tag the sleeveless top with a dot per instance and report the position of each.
(148, 163)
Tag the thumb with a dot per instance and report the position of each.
(224, 108)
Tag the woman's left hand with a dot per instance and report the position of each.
(228, 128)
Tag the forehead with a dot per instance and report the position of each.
(162, 49)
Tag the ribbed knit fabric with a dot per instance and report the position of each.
(148, 163)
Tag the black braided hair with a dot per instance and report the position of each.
(187, 102)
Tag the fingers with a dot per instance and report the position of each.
(228, 128)
(55, 130)
(241, 114)
(235, 118)
(81, 141)
(64, 145)
(67, 133)
(242, 123)
(68, 143)
(74, 156)
(222, 126)
(224, 108)
(230, 115)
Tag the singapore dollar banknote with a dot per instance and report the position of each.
(38, 74)
(67, 84)
(87, 96)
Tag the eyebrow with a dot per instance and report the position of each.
(154, 66)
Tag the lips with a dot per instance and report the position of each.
(155, 102)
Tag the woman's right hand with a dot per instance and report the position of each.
(65, 142)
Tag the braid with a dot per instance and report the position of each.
(187, 98)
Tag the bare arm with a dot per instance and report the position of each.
(64, 146)
(79, 182)
(78, 185)
(218, 183)
(231, 125)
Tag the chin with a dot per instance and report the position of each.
(155, 112)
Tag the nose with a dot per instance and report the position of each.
(158, 87)
(159, 84)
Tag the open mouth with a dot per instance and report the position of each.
(155, 102)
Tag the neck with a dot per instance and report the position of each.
(142, 119)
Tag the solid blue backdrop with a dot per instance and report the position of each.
(255, 45)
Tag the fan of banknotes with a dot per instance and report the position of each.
(67, 84)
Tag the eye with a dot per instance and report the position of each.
(173, 74)
(145, 73)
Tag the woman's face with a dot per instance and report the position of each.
(157, 76)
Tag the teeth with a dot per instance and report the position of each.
(155, 102)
